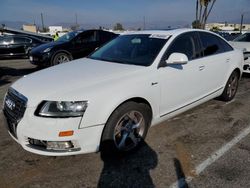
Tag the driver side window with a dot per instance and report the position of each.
(183, 44)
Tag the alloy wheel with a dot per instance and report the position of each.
(129, 130)
(232, 85)
(62, 59)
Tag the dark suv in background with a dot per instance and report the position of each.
(72, 45)
(17, 45)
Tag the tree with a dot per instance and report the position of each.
(118, 27)
(196, 24)
(203, 10)
(215, 28)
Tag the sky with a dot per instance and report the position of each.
(114, 11)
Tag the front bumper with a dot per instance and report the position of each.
(85, 140)
(40, 59)
(246, 67)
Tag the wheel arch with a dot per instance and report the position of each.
(137, 100)
(224, 96)
(238, 72)
(61, 51)
(134, 99)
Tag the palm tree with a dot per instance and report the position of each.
(203, 10)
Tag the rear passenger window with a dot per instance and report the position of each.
(212, 44)
(87, 37)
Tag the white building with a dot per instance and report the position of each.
(227, 26)
(54, 29)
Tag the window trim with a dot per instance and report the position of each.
(219, 39)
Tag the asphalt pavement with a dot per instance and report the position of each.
(207, 146)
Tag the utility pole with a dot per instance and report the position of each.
(42, 22)
(241, 22)
(76, 19)
(144, 23)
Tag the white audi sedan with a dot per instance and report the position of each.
(109, 100)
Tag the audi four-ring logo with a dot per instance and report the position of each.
(10, 104)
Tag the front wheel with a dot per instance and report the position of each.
(60, 58)
(126, 127)
(231, 87)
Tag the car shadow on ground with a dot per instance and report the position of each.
(128, 170)
(7, 74)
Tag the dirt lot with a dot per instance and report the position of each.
(181, 148)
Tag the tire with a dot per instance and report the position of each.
(60, 58)
(231, 87)
(126, 128)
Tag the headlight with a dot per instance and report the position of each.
(62, 108)
(47, 50)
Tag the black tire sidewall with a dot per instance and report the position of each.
(57, 55)
(224, 95)
(107, 141)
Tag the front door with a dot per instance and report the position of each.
(182, 85)
(85, 43)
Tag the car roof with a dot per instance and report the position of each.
(19, 35)
(82, 31)
(164, 32)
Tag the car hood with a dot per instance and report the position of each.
(42, 47)
(56, 82)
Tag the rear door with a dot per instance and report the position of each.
(216, 61)
(19, 45)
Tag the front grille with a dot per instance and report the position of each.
(14, 108)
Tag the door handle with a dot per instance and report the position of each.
(228, 60)
(154, 83)
(201, 67)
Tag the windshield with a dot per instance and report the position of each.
(243, 38)
(67, 37)
(138, 49)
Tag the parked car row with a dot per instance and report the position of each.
(18, 45)
(80, 44)
(70, 46)
(228, 36)
(73, 45)
(108, 100)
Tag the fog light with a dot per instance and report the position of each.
(62, 145)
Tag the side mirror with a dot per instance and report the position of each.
(177, 59)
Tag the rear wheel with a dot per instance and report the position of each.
(126, 128)
(61, 58)
(231, 87)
